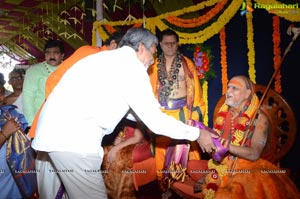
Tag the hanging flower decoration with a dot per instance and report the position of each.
(251, 45)
(223, 48)
(205, 99)
(202, 59)
(200, 28)
(276, 52)
(198, 21)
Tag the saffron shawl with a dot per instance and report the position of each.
(242, 124)
(194, 89)
(194, 110)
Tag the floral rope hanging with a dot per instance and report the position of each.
(277, 52)
(205, 99)
(250, 43)
(159, 22)
(109, 29)
(211, 30)
(223, 60)
(198, 21)
(94, 37)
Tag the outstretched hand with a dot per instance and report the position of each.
(206, 134)
(205, 141)
(222, 147)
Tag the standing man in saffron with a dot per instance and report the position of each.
(177, 87)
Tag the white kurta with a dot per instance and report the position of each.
(93, 96)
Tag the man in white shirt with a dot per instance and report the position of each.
(70, 127)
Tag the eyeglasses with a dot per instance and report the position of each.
(169, 43)
(14, 79)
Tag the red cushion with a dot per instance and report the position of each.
(196, 169)
(186, 189)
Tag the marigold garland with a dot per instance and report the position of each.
(185, 38)
(189, 9)
(109, 28)
(214, 28)
(240, 127)
(210, 194)
(198, 21)
(101, 33)
(221, 168)
(277, 52)
(223, 60)
(94, 36)
(205, 99)
(250, 43)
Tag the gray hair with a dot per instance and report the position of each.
(135, 36)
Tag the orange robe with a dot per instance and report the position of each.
(194, 100)
(56, 76)
(265, 181)
(260, 179)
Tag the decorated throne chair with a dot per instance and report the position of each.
(283, 133)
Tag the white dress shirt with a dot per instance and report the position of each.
(93, 96)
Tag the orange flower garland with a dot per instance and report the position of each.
(158, 22)
(195, 22)
(277, 52)
(243, 120)
(109, 28)
(137, 25)
(223, 60)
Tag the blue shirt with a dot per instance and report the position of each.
(8, 187)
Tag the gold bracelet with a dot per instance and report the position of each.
(1, 133)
